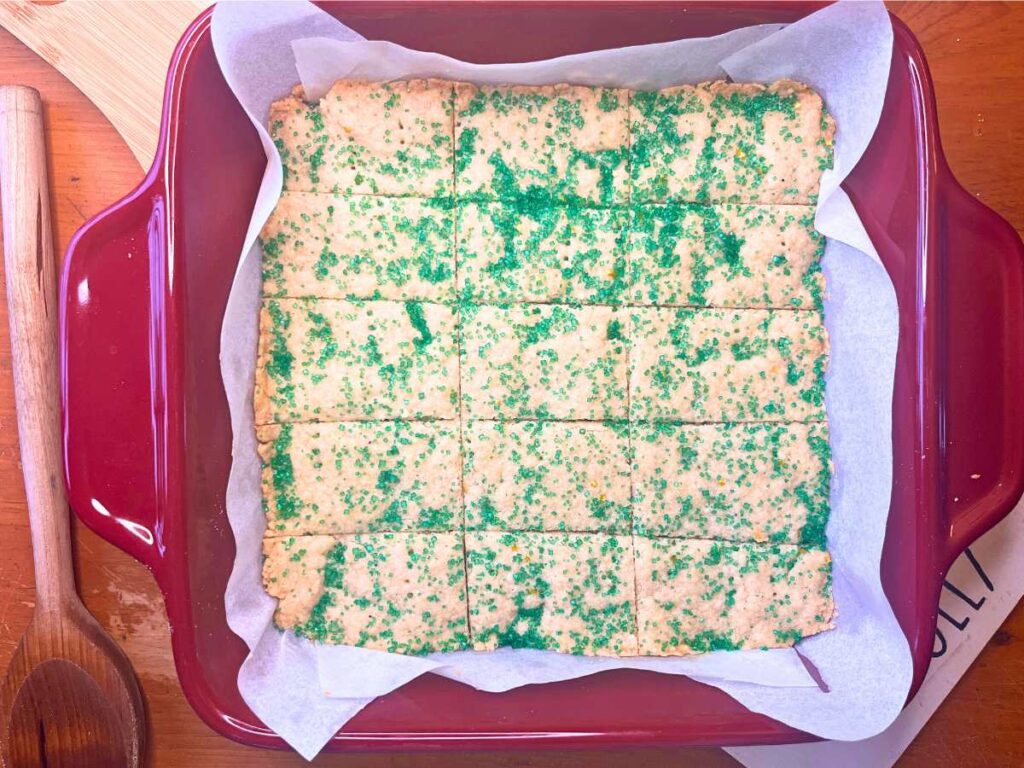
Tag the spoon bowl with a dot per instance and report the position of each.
(70, 698)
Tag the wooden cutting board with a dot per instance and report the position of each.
(115, 51)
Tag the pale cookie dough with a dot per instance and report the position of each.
(330, 360)
(728, 255)
(547, 476)
(395, 592)
(351, 477)
(705, 365)
(359, 247)
(695, 596)
(544, 367)
(565, 592)
(739, 482)
(729, 142)
(368, 138)
(551, 142)
(520, 252)
(543, 362)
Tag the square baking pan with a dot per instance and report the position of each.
(148, 440)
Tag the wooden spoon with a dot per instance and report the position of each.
(69, 697)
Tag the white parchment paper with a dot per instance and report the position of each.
(305, 692)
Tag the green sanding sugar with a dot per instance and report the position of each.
(545, 368)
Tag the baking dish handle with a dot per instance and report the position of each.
(983, 328)
(112, 301)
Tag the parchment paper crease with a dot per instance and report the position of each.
(306, 692)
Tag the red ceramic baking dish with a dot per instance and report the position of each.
(147, 437)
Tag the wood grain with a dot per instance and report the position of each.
(87, 40)
(976, 58)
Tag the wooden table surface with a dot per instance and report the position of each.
(976, 55)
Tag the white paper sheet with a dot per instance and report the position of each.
(305, 692)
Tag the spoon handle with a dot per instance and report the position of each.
(31, 277)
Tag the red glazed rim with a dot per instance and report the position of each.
(961, 425)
